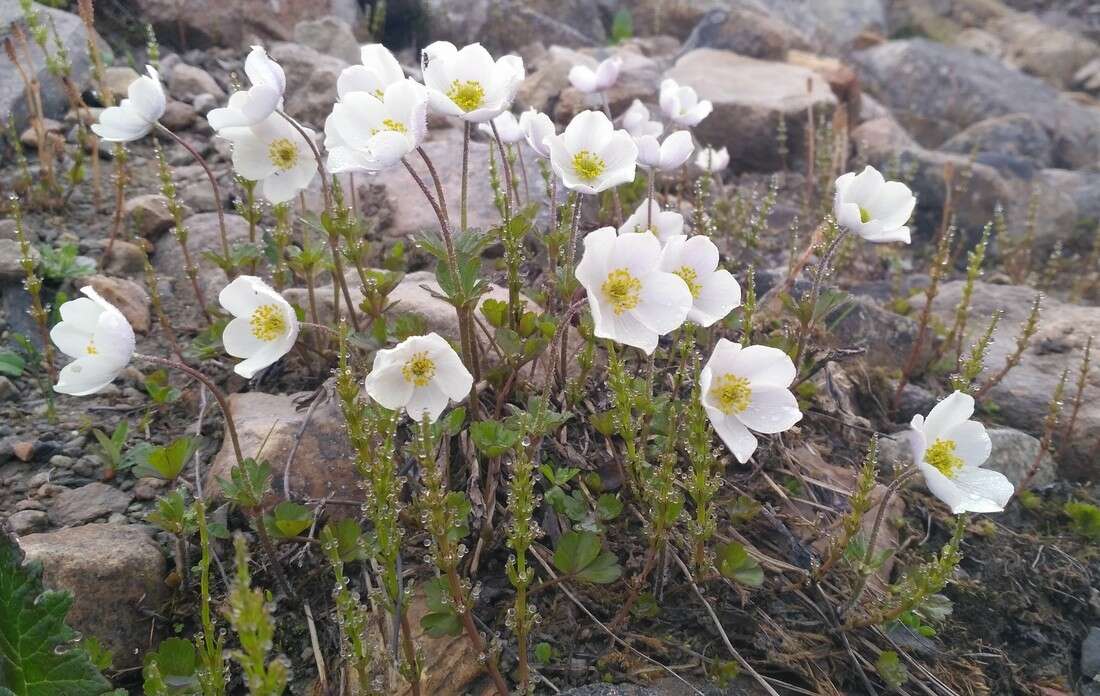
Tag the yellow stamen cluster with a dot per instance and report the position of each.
(622, 290)
(864, 215)
(267, 322)
(941, 456)
(388, 124)
(283, 154)
(90, 349)
(588, 165)
(691, 278)
(467, 95)
(419, 369)
(731, 393)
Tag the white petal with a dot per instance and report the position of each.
(675, 150)
(893, 204)
(625, 328)
(972, 443)
(953, 410)
(719, 295)
(764, 365)
(771, 409)
(85, 376)
(238, 339)
(82, 313)
(864, 187)
(591, 271)
(147, 97)
(582, 78)
(665, 302)
(388, 386)
(69, 339)
(244, 294)
(121, 124)
(428, 400)
(986, 490)
(734, 433)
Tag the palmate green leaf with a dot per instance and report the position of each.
(37, 657)
(735, 563)
(291, 519)
(580, 554)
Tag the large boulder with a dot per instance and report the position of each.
(84, 504)
(750, 97)
(269, 427)
(205, 23)
(1022, 398)
(1014, 135)
(329, 35)
(1043, 50)
(507, 25)
(116, 574)
(310, 79)
(70, 31)
(937, 90)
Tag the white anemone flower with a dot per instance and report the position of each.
(537, 127)
(872, 207)
(747, 389)
(664, 156)
(714, 290)
(635, 120)
(713, 161)
(507, 127)
(365, 133)
(378, 71)
(275, 154)
(247, 108)
(949, 450)
(421, 375)
(591, 156)
(136, 115)
(633, 301)
(467, 83)
(264, 326)
(682, 105)
(664, 224)
(590, 81)
(96, 334)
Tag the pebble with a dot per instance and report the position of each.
(28, 521)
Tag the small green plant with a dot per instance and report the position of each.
(249, 613)
(735, 563)
(63, 263)
(112, 446)
(622, 26)
(166, 461)
(1084, 519)
(889, 667)
(581, 555)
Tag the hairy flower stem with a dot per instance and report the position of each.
(567, 281)
(509, 176)
(1082, 381)
(179, 230)
(120, 200)
(213, 186)
(437, 182)
(33, 283)
(341, 284)
(867, 565)
(465, 174)
(823, 270)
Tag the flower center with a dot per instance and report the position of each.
(467, 95)
(90, 349)
(267, 322)
(941, 456)
(691, 278)
(588, 165)
(419, 369)
(864, 214)
(388, 124)
(283, 154)
(732, 393)
(622, 290)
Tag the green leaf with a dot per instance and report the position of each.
(735, 563)
(442, 619)
(544, 652)
(579, 555)
(451, 424)
(11, 364)
(493, 438)
(346, 533)
(291, 519)
(495, 312)
(608, 507)
(622, 26)
(172, 668)
(38, 656)
(168, 461)
(891, 670)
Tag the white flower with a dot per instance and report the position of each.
(950, 449)
(635, 120)
(666, 224)
(714, 291)
(95, 333)
(537, 127)
(378, 71)
(872, 207)
(713, 161)
(365, 133)
(262, 98)
(632, 300)
(591, 156)
(602, 78)
(745, 389)
(467, 83)
(274, 153)
(666, 156)
(507, 127)
(682, 105)
(421, 375)
(137, 114)
(264, 326)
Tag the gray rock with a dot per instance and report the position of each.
(1023, 397)
(749, 96)
(329, 35)
(886, 336)
(10, 268)
(129, 297)
(7, 389)
(71, 32)
(84, 504)
(936, 90)
(748, 31)
(310, 79)
(149, 215)
(1043, 50)
(1014, 135)
(1090, 653)
(118, 79)
(28, 522)
(180, 115)
(126, 258)
(204, 23)
(188, 81)
(116, 574)
(507, 25)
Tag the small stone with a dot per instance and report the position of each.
(204, 103)
(60, 460)
(7, 389)
(84, 504)
(10, 255)
(179, 115)
(1090, 653)
(30, 504)
(329, 35)
(148, 488)
(118, 79)
(149, 214)
(23, 450)
(187, 82)
(28, 521)
(129, 297)
(125, 259)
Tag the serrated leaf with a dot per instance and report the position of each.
(291, 519)
(37, 654)
(579, 554)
